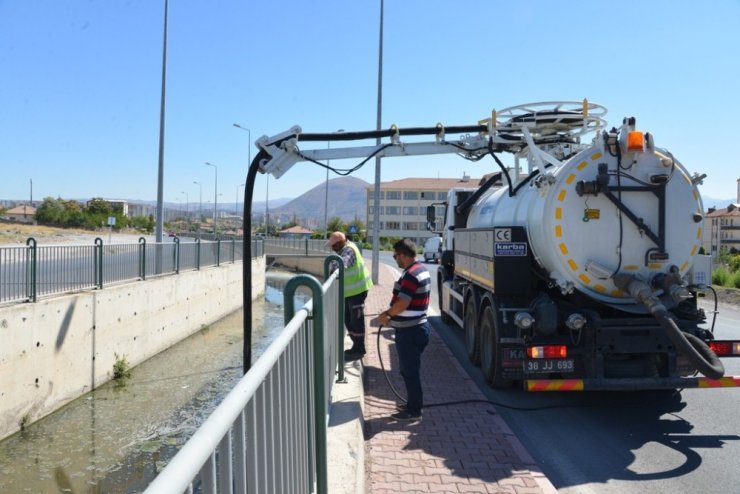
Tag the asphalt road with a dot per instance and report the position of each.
(624, 442)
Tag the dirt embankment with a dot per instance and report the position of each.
(18, 234)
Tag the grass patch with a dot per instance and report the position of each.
(121, 368)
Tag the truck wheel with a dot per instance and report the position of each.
(490, 349)
(470, 326)
(445, 317)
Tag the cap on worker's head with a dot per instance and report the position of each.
(335, 238)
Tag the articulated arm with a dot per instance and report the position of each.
(284, 152)
(534, 126)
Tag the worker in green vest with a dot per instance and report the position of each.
(357, 282)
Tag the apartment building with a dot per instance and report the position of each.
(403, 205)
(722, 228)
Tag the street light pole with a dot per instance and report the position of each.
(249, 137)
(200, 204)
(236, 204)
(376, 193)
(267, 207)
(160, 169)
(249, 163)
(187, 209)
(326, 192)
(215, 195)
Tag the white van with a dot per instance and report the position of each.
(431, 249)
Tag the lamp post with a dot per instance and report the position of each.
(376, 192)
(249, 137)
(187, 209)
(249, 163)
(215, 194)
(267, 206)
(326, 192)
(200, 203)
(236, 204)
(160, 167)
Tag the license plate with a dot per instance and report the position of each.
(549, 365)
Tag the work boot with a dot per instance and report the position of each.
(358, 349)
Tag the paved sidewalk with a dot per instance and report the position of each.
(460, 448)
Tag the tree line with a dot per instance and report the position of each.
(90, 216)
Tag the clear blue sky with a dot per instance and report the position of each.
(80, 83)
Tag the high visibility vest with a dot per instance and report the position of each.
(357, 278)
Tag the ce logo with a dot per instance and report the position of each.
(502, 234)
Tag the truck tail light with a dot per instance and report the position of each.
(725, 348)
(547, 351)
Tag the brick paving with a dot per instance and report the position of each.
(454, 449)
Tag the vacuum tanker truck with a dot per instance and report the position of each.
(577, 267)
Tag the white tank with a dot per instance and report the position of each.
(581, 240)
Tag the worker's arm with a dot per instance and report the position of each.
(400, 305)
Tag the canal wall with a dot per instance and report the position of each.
(57, 349)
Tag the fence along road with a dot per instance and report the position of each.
(33, 271)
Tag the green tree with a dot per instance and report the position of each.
(335, 224)
(52, 212)
(143, 223)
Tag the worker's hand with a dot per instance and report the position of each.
(384, 318)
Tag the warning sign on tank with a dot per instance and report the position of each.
(510, 249)
(591, 214)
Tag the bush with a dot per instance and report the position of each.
(721, 276)
(736, 279)
(734, 263)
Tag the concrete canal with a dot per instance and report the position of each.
(116, 438)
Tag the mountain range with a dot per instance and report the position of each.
(346, 199)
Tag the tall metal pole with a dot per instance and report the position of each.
(376, 192)
(215, 195)
(236, 204)
(326, 196)
(249, 155)
(200, 204)
(187, 209)
(267, 206)
(160, 175)
(326, 192)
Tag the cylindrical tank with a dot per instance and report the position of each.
(581, 239)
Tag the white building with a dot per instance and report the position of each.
(722, 228)
(403, 205)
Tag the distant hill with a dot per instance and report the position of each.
(346, 200)
(712, 202)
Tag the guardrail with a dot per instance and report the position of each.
(31, 271)
(306, 245)
(269, 433)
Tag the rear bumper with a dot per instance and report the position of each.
(629, 384)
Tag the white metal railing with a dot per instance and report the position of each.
(269, 433)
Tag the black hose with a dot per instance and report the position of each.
(247, 259)
(460, 402)
(697, 351)
(705, 360)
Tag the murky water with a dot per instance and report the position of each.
(116, 438)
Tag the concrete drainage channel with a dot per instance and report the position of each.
(117, 438)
